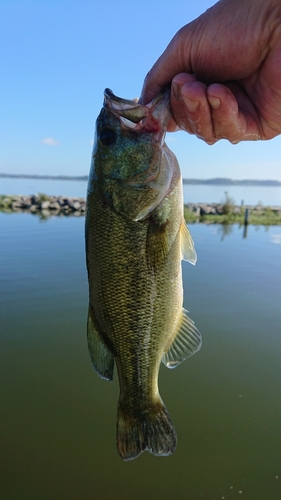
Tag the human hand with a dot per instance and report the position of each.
(225, 73)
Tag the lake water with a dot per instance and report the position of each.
(251, 195)
(57, 418)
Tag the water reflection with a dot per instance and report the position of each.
(45, 214)
(225, 230)
(245, 231)
(57, 419)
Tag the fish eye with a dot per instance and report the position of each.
(107, 136)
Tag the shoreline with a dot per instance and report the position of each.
(43, 204)
(222, 213)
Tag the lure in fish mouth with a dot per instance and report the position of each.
(136, 237)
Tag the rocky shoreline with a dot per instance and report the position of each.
(202, 209)
(43, 204)
(46, 206)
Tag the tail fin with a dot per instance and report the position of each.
(150, 430)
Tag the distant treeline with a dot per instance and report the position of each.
(47, 177)
(230, 182)
(216, 181)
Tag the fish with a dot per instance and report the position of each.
(136, 237)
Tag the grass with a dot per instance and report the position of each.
(43, 197)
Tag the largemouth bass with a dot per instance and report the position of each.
(136, 237)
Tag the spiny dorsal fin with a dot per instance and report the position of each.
(187, 245)
(187, 342)
(102, 358)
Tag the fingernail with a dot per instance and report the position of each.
(214, 102)
(191, 105)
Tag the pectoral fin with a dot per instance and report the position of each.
(187, 245)
(187, 342)
(102, 358)
(157, 245)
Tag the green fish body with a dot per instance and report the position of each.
(136, 237)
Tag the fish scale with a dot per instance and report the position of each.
(135, 239)
(132, 311)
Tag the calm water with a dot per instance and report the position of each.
(57, 419)
(251, 195)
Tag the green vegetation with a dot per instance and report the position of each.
(5, 202)
(43, 197)
(257, 216)
(228, 205)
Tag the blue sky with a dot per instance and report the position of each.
(57, 56)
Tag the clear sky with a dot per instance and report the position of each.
(57, 56)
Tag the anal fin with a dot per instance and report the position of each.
(187, 342)
(101, 356)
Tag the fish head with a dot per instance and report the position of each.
(129, 162)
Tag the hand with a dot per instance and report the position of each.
(225, 73)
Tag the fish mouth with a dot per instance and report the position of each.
(153, 117)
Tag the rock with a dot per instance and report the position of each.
(76, 205)
(16, 205)
(55, 212)
(45, 213)
(236, 210)
(276, 209)
(26, 202)
(34, 199)
(44, 205)
(60, 200)
(54, 205)
(207, 209)
(219, 210)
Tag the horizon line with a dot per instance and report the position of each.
(221, 180)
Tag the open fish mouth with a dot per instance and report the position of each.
(152, 118)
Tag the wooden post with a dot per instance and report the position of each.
(246, 222)
(246, 217)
